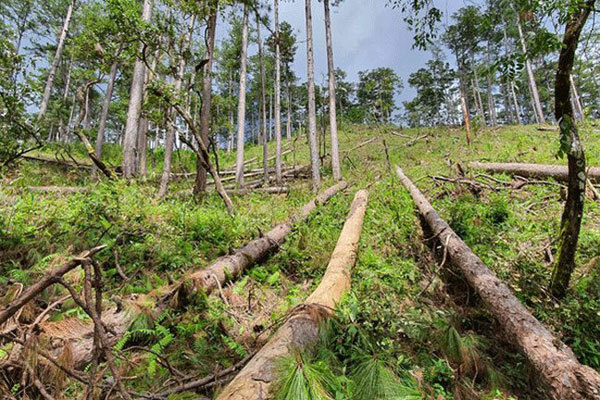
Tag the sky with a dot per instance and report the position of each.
(366, 35)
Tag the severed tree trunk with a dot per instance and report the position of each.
(535, 95)
(557, 172)
(130, 140)
(312, 112)
(242, 102)
(170, 134)
(570, 225)
(205, 110)
(555, 364)
(335, 156)
(263, 107)
(277, 96)
(60, 46)
(301, 327)
(105, 109)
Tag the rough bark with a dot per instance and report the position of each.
(205, 110)
(60, 46)
(563, 376)
(301, 327)
(535, 95)
(170, 134)
(105, 108)
(242, 102)
(134, 110)
(277, 96)
(312, 112)
(570, 225)
(557, 172)
(335, 155)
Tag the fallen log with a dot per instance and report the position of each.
(56, 161)
(558, 172)
(301, 326)
(564, 377)
(50, 278)
(80, 334)
(268, 190)
(59, 189)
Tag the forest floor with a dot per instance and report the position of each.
(399, 310)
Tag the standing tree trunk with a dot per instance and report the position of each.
(239, 166)
(205, 117)
(57, 57)
(61, 125)
(277, 97)
(289, 111)
(535, 96)
(263, 105)
(170, 134)
(312, 113)
(571, 220)
(105, 108)
(335, 157)
(130, 139)
(515, 102)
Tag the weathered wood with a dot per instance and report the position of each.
(563, 376)
(60, 189)
(56, 161)
(49, 279)
(301, 327)
(558, 172)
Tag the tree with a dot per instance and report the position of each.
(239, 166)
(376, 93)
(312, 112)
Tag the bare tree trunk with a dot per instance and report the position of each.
(105, 109)
(535, 96)
(301, 327)
(242, 102)
(61, 125)
(465, 111)
(230, 139)
(130, 140)
(263, 105)
(491, 102)
(56, 61)
(577, 100)
(277, 97)
(312, 113)
(170, 134)
(570, 225)
(205, 110)
(478, 100)
(558, 369)
(289, 111)
(335, 156)
(516, 102)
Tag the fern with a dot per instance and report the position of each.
(166, 338)
(234, 346)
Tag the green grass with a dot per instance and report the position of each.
(385, 315)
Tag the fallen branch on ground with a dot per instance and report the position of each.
(558, 172)
(301, 326)
(553, 361)
(59, 189)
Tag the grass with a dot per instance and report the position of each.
(386, 315)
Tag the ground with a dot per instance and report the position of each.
(404, 309)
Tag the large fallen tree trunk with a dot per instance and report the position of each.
(301, 327)
(558, 172)
(80, 335)
(564, 377)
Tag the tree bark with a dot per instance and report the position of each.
(535, 96)
(312, 112)
(130, 139)
(170, 134)
(105, 109)
(335, 156)
(560, 372)
(301, 327)
(242, 102)
(466, 116)
(263, 106)
(289, 111)
(277, 96)
(205, 110)
(57, 57)
(516, 102)
(570, 225)
(557, 172)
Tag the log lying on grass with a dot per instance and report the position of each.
(56, 161)
(301, 327)
(558, 172)
(81, 335)
(564, 377)
(60, 189)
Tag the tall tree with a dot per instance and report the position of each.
(312, 112)
(335, 157)
(263, 103)
(239, 166)
(130, 140)
(60, 46)
(105, 109)
(277, 96)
